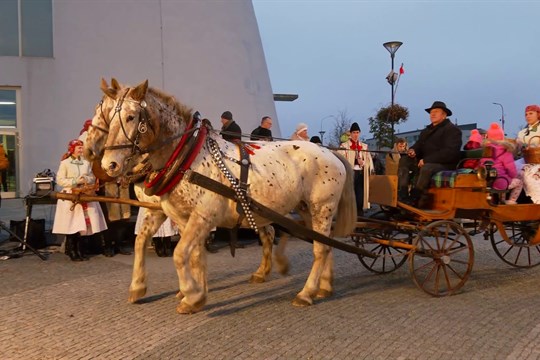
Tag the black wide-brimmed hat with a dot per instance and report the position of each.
(439, 105)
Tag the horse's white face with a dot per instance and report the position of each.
(98, 132)
(132, 128)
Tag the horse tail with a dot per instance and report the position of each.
(346, 214)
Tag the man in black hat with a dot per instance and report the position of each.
(230, 130)
(263, 132)
(438, 148)
(360, 159)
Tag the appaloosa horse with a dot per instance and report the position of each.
(94, 147)
(283, 176)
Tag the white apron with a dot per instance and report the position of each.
(166, 229)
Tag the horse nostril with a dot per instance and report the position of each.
(112, 166)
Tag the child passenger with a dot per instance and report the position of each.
(503, 161)
(475, 142)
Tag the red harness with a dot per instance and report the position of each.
(159, 184)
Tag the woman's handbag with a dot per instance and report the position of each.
(531, 154)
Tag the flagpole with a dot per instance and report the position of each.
(397, 82)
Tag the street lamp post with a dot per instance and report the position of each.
(502, 114)
(322, 132)
(392, 47)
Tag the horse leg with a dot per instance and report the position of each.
(267, 235)
(327, 278)
(151, 223)
(320, 265)
(190, 263)
(281, 260)
(305, 297)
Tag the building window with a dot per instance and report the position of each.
(26, 28)
(9, 28)
(8, 108)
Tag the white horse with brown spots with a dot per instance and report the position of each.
(283, 176)
(94, 145)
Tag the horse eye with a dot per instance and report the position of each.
(130, 117)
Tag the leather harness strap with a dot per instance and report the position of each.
(288, 225)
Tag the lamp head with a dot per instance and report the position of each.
(392, 46)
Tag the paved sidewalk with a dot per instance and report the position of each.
(58, 309)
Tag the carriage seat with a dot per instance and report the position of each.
(447, 178)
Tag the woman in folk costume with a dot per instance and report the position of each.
(84, 219)
(530, 137)
(115, 239)
(360, 159)
(300, 133)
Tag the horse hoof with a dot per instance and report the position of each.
(301, 302)
(179, 295)
(283, 269)
(187, 309)
(322, 294)
(135, 295)
(255, 279)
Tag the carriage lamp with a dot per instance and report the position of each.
(491, 172)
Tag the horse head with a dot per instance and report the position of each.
(143, 123)
(99, 130)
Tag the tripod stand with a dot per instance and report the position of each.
(24, 244)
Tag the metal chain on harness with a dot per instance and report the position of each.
(241, 193)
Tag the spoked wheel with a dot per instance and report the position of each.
(442, 259)
(519, 253)
(389, 258)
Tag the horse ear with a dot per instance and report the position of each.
(115, 84)
(140, 91)
(110, 92)
(104, 84)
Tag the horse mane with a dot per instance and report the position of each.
(183, 111)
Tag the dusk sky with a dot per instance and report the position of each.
(468, 54)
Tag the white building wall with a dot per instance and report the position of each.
(207, 53)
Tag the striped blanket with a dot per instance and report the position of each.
(446, 178)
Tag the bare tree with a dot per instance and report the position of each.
(342, 124)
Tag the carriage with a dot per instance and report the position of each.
(437, 238)
(202, 182)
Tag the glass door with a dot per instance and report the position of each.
(9, 140)
(9, 175)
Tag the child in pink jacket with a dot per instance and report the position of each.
(503, 161)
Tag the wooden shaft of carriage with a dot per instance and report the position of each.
(288, 225)
(76, 198)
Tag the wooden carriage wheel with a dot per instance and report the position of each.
(515, 250)
(442, 259)
(389, 258)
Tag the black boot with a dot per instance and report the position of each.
(210, 246)
(70, 248)
(159, 247)
(121, 238)
(414, 198)
(403, 194)
(167, 246)
(106, 244)
(80, 247)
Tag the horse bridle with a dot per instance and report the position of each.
(100, 104)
